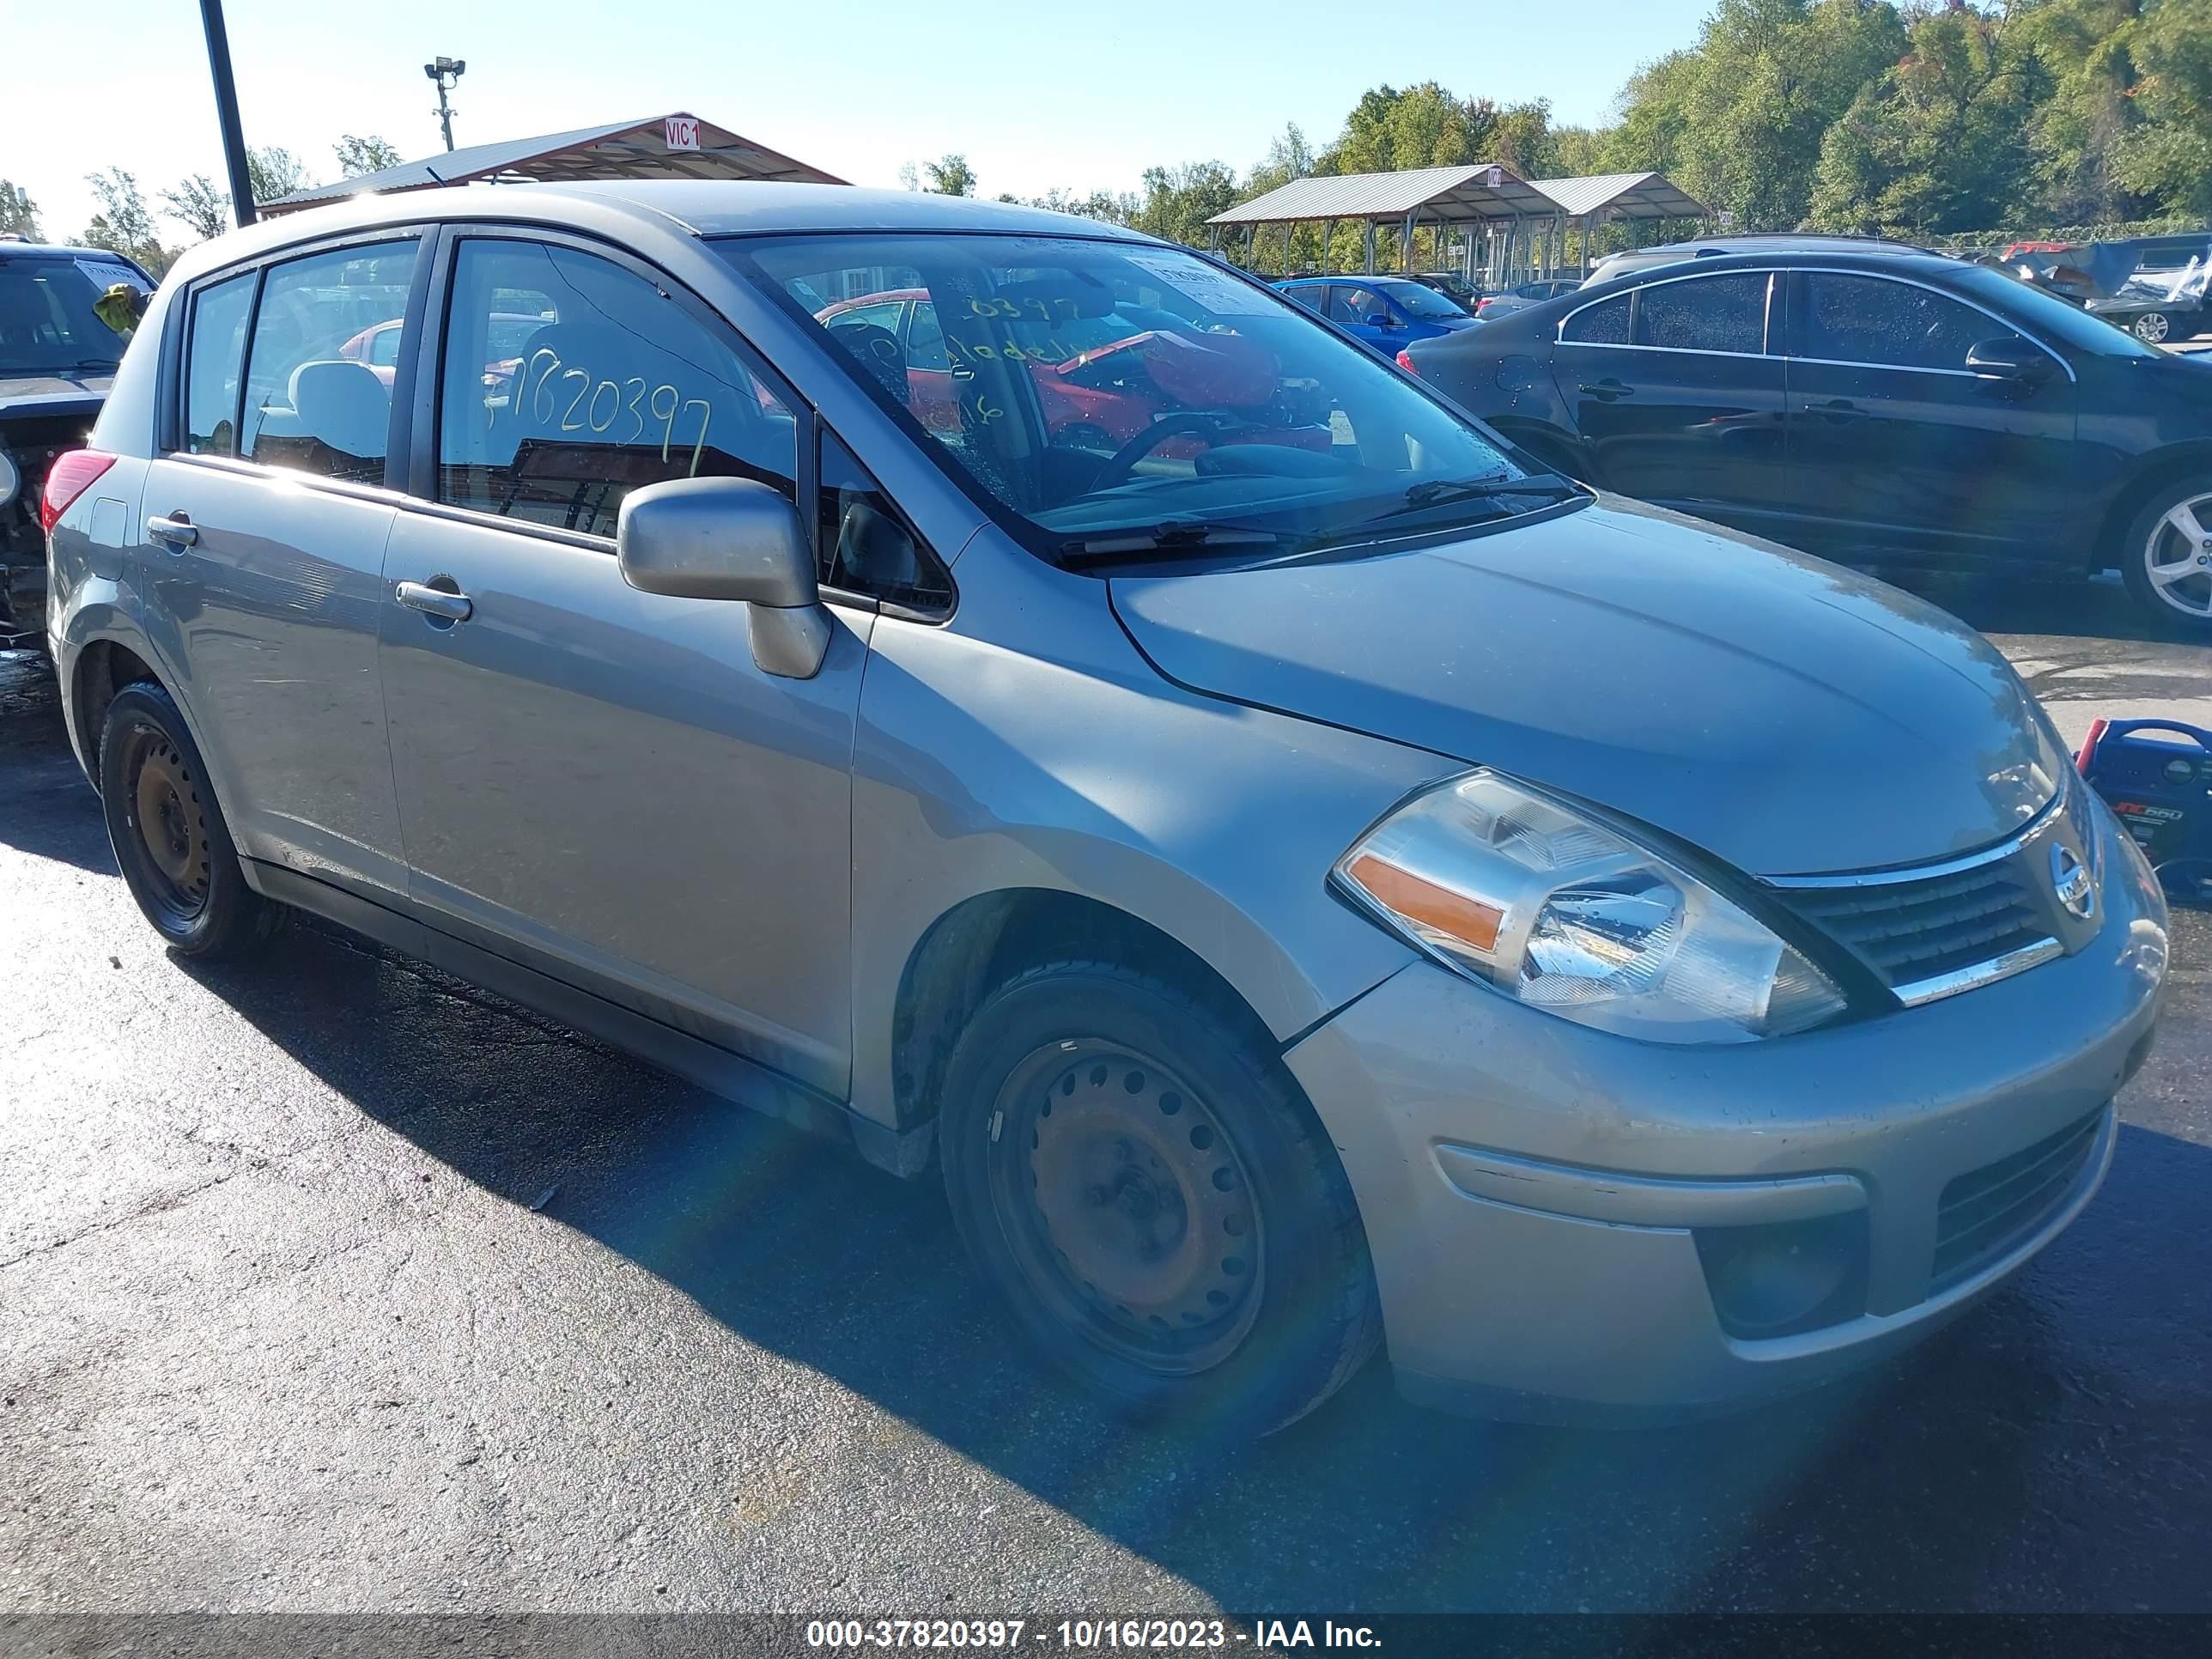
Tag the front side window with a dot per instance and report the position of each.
(309, 407)
(1870, 319)
(1106, 396)
(863, 544)
(1705, 313)
(570, 380)
(214, 362)
(1358, 307)
(1603, 323)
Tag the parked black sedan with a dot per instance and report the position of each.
(1876, 408)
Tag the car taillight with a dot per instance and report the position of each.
(2089, 746)
(69, 477)
(1483, 304)
(1406, 362)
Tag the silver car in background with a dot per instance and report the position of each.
(1028, 698)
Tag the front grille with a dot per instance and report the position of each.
(1916, 930)
(1984, 1214)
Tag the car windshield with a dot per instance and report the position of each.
(2047, 314)
(48, 324)
(1105, 398)
(1421, 300)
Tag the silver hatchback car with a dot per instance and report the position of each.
(1028, 698)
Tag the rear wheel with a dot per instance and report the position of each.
(1150, 1194)
(169, 839)
(2166, 558)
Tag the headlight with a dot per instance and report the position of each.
(1567, 915)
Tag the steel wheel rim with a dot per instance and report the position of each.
(2177, 558)
(1128, 1211)
(169, 826)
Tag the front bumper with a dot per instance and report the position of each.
(1535, 1192)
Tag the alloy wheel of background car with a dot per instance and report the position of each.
(2152, 327)
(168, 832)
(2169, 569)
(1153, 1199)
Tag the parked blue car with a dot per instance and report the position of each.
(1387, 312)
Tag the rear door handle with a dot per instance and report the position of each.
(1607, 389)
(434, 601)
(178, 530)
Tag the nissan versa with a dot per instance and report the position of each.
(1311, 877)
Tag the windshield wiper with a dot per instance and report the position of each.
(1181, 537)
(1435, 492)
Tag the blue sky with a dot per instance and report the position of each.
(1035, 96)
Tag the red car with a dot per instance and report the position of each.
(1100, 381)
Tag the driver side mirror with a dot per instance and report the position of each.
(730, 538)
(2007, 359)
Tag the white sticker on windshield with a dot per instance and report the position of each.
(105, 276)
(1218, 292)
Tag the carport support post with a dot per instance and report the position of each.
(1250, 231)
(1367, 248)
(1406, 250)
(226, 112)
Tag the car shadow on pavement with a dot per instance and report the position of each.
(47, 808)
(2035, 1455)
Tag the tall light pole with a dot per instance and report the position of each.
(444, 71)
(226, 112)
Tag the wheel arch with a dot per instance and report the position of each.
(102, 668)
(2157, 469)
(988, 938)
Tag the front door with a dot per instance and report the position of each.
(1676, 396)
(265, 551)
(1898, 451)
(602, 779)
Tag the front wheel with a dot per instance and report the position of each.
(2152, 327)
(2166, 558)
(1150, 1194)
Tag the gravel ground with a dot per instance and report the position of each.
(333, 1284)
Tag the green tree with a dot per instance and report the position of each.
(196, 203)
(2167, 153)
(949, 175)
(358, 155)
(19, 214)
(123, 225)
(1177, 201)
(275, 172)
(1937, 143)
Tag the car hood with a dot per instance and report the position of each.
(51, 393)
(1777, 711)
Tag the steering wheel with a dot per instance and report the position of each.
(1123, 461)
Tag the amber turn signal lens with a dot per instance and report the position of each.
(1467, 920)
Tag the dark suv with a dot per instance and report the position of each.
(57, 359)
(1880, 408)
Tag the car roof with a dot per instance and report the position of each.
(1917, 262)
(14, 250)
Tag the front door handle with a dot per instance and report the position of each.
(1607, 389)
(1838, 409)
(178, 530)
(434, 601)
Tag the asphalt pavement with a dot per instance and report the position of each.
(331, 1283)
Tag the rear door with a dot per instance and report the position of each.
(1897, 451)
(1676, 395)
(267, 515)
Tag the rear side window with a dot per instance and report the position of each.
(215, 356)
(1708, 313)
(1604, 324)
(1870, 319)
(309, 405)
(570, 380)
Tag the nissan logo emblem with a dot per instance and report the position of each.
(2070, 879)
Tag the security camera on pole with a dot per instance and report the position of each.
(444, 71)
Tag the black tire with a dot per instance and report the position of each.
(168, 835)
(1187, 1172)
(2185, 600)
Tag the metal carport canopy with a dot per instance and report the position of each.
(1458, 194)
(1629, 195)
(619, 150)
